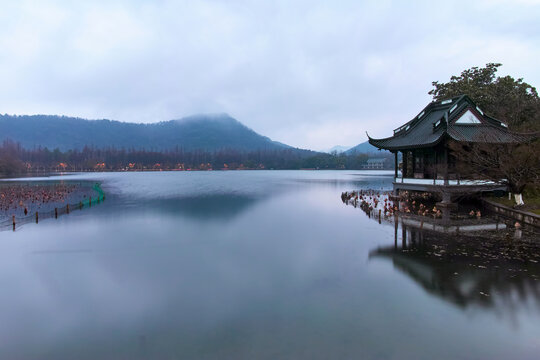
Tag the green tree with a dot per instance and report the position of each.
(505, 98)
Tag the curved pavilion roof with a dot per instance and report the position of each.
(458, 118)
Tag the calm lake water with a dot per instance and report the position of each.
(251, 265)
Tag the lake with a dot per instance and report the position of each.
(253, 265)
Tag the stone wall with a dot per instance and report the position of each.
(521, 216)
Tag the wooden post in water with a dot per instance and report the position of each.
(37, 217)
(13, 218)
(67, 209)
(403, 236)
(90, 201)
(80, 205)
(379, 216)
(56, 213)
(396, 224)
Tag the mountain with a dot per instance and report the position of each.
(207, 132)
(363, 148)
(338, 149)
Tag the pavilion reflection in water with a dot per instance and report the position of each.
(477, 267)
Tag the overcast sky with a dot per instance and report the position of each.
(311, 74)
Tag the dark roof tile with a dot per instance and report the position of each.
(438, 119)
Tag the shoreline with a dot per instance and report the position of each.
(57, 173)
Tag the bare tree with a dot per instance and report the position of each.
(515, 164)
(9, 160)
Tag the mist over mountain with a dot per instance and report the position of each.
(362, 148)
(208, 132)
(338, 149)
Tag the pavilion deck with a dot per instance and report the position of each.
(448, 189)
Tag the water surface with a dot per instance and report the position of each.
(250, 265)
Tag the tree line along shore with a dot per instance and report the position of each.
(15, 159)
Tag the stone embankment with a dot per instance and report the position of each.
(519, 215)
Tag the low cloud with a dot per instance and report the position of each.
(308, 73)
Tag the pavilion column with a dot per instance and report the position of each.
(405, 165)
(445, 169)
(395, 166)
(413, 162)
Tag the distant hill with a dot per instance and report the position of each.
(198, 132)
(338, 148)
(363, 148)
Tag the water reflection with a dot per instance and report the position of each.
(487, 269)
(453, 227)
(238, 265)
(208, 208)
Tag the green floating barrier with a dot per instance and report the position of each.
(100, 197)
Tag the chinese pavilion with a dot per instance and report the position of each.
(428, 165)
